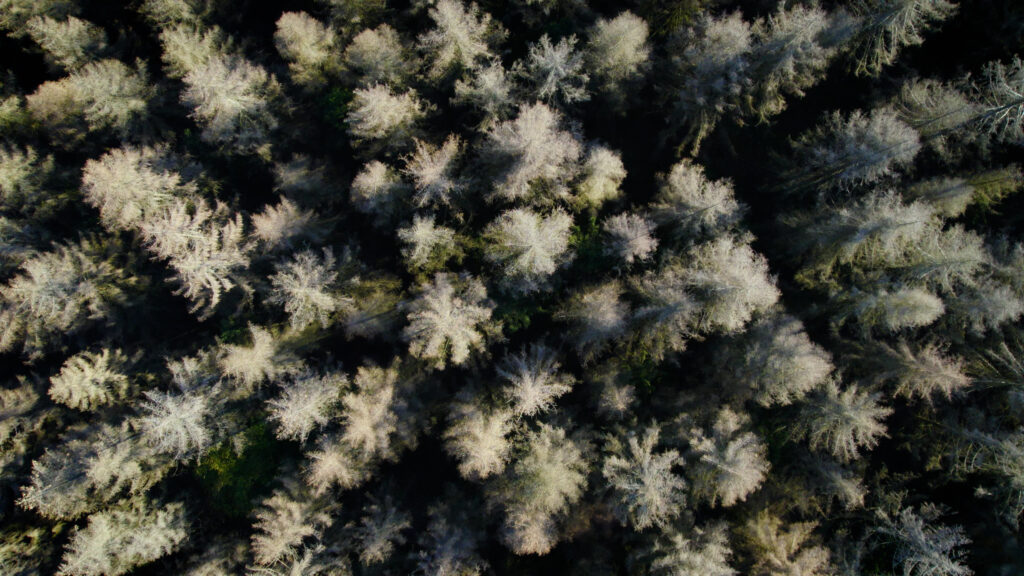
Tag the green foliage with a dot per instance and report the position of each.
(517, 314)
(334, 106)
(668, 16)
(585, 241)
(237, 473)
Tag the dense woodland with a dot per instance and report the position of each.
(332, 287)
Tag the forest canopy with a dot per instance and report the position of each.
(456, 288)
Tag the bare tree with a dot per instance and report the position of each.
(691, 205)
(56, 293)
(557, 71)
(117, 540)
(477, 437)
(601, 175)
(887, 26)
(70, 43)
(306, 403)
(539, 157)
(446, 321)
(309, 46)
(89, 380)
(305, 286)
(533, 380)
(177, 423)
(379, 118)
(380, 531)
(777, 362)
(923, 549)
(544, 479)
(646, 490)
(433, 172)
(730, 463)
(460, 37)
(703, 551)
(630, 237)
(618, 52)
(529, 247)
(598, 316)
(842, 422)
(785, 550)
(286, 520)
(378, 56)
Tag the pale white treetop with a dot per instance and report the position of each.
(284, 520)
(890, 311)
(69, 43)
(890, 25)
(714, 73)
(231, 99)
(668, 314)
(108, 94)
(15, 14)
(432, 171)
(925, 547)
(690, 205)
(335, 463)
(731, 281)
(309, 46)
(306, 403)
(372, 413)
(535, 151)
(876, 227)
(533, 381)
(459, 37)
(598, 316)
(177, 423)
(89, 380)
(282, 223)
(779, 363)
(544, 479)
(117, 540)
(378, 189)
(630, 237)
(731, 463)
(379, 114)
(87, 471)
(187, 48)
(843, 421)
(423, 239)
(617, 49)
(23, 178)
(55, 293)
(129, 185)
(647, 491)
(445, 320)
(478, 439)
(1002, 94)
(489, 90)
(923, 372)
(205, 246)
(380, 530)
(557, 71)
(786, 550)
(377, 56)
(858, 149)
(255, 363)
(792, 54)
(305, 286)
(528, 247)
(601, 175)
(704, 551)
